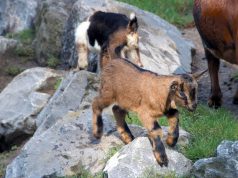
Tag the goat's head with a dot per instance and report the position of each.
(186, 90)
(131, 50)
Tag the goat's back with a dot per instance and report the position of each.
(104, 24)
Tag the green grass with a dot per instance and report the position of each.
(208, 127)
(112, 151)
(177, 12)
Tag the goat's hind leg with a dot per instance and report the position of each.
(82, 56)
(122, 126)
(173, 131)
(99, 103)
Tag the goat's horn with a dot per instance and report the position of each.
(198, 75)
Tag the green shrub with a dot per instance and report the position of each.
(52, 62)
(13, 70)
(177, 12)
(25, 51)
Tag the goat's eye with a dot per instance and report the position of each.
(192, 93)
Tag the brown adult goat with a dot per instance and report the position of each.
(149, 95)
(217, 24)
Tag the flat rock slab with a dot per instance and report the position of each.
(137, 160)
(22, 100)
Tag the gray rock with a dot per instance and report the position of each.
(6, 44)
(137, 160)
(16, 15)
(163, 50)
(21, 101)
(63, 144)
(224, 165)
(49, 24)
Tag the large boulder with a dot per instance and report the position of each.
(49, 24)
(137, 160)
(224, 165)
(21, 101)
(63, 143)
(163, 49)
(16, 15)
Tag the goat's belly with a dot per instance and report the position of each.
(228, 55)
(96, 48)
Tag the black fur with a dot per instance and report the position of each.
(103, 24)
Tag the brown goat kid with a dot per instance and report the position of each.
(217, 24)
(149, 95)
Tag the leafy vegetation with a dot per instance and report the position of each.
(177, 12)
(13, 70)
(208, 127)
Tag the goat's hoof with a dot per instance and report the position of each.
(235, 100)
(127, 138)
(161, 159)
(171, 141)
(97, 134)
(214, 102)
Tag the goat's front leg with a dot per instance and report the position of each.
(122, 126)
(173, 130)
(155, 135)
(99, 103)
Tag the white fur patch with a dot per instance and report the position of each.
(132, 16)
(81, 36)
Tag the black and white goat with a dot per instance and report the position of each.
(112, 35)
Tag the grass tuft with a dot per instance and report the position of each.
(208, 127)
(177, 12)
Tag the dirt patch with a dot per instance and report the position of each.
(9, 60)
(227, 71)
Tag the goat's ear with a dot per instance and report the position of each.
(198, 75)
(133, 24)
(174, 86)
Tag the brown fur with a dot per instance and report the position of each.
(149, 95)
(217, 23)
